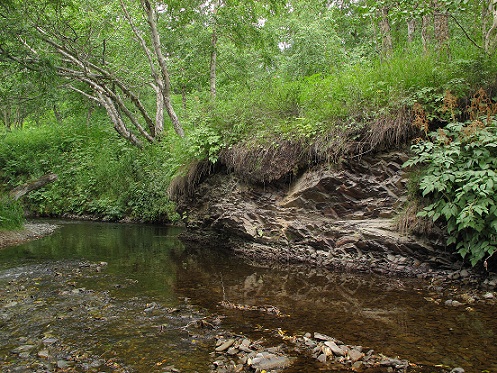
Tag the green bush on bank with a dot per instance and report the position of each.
(459, 179)
(99, 174)
(11, 214)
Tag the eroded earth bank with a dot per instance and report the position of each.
(350, 217)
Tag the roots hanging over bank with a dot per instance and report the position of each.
(279, 159)
(184, 185)
(257, 163)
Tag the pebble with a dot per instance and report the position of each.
(319, 336)
(355, 355)
(357, 366)
(49, 341)
(335, 348)
(44, 354)
(225, 345)
(63, 364)
(264, 361)
(453, 303)
(23, 348)
(488, 295)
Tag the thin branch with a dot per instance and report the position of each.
(143, 44)
(87, 95)
(466, 33)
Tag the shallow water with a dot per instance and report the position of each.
(134, 312)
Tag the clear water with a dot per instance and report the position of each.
(135, 311)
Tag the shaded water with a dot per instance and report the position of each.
(134, 313)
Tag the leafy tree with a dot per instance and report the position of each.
(307, 40)
(89, 52)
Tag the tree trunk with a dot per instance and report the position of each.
(386, 33)
(19, 120)
(6, 117)
(89, 113)
(212, 76)
(57, 114)
(21, 190)
(166, 89)
(425, 33)
(489, 36)
(159, 111)
(441, 28)
(411, 29)
(116, 118)
(183, 96)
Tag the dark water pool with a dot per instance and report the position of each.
(121, 297)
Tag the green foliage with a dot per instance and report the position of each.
(314, 105)
(11, 214)
(459, 178)
(99, 174)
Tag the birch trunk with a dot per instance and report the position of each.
(425, 33)
(213, 66)
(411, 29)
(490, 34)
(166, 89)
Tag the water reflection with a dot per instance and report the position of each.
(148, 264)
(389, 315)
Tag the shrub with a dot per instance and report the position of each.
(459, 179)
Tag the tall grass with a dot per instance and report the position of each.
(314, 105)
(11, 214)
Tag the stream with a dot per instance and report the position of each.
(104, 297)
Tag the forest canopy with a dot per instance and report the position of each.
(131, 57)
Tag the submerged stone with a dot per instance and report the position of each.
(225, 345)
(270, 361)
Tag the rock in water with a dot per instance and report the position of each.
(225, 345)
(335, 348)
(269, 361)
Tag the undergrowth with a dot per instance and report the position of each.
(99, 174)
(459, 176)
(11, 214)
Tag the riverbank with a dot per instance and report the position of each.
(31, 231)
